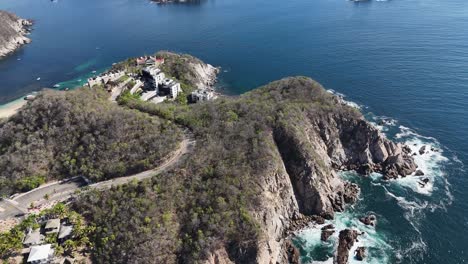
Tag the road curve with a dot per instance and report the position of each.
(15, 207)
(176, 156)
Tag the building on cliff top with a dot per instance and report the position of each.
(201, 95)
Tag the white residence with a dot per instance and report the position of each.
(153, 77)
(170, 88)
(40, 254)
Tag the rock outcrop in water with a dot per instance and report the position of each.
(13, 31)
(346, 241)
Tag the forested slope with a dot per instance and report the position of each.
(64, 134)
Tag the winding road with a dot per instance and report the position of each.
(18, 205)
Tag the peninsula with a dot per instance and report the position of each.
(259, 166)
(13, 31)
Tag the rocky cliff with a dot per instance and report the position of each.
(13, 31)
(313, 143)
(265, 163)
(307, 135)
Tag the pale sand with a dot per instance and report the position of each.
(11, 108)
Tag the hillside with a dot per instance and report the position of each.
(64, 134)
(12, 32)
(262, 161)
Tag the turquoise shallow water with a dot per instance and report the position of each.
(404, 59)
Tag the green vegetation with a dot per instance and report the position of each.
(126, 96)
(207, 204)
(28, 183)
(11, 242)
(123, 78)
(64, 134)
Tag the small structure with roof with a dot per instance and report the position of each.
(33, 238)
(52, 226)
(65, 232)
(40, 254)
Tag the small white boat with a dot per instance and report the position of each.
(38, 78)
(29, 97)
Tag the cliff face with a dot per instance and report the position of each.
(13, 32)
(311, 146)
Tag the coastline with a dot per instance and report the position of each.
(14, 31)
(11, 108)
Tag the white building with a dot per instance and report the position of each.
(105, 78)
(171, 88)
(40, 254)
(153, 77)
(201, 95)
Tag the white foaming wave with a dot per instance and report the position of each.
(430, 162)
(328, 261)
(413, 209)
(370, 239)
(417, 249)
(382, 123)
(342, 99)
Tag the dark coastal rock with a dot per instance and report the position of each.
(365, 169)
(422, 150)
(346, 240)
(398, 165)
(369, 220)
(360, 253)
(351, 192)
(326, 234)
(290, 254)
(328, 227)
(419, 173)
(319, 219)
(422, 183)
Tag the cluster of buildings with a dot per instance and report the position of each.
(157, 85)
(39, 252)
(149, 60)
(152, 82)
(103, 79)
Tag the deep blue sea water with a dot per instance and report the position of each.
(402, 59)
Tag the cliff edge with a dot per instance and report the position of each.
(13, 31)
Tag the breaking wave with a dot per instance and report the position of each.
(395, 239)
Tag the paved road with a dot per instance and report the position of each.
(184, 148)
(61, 191)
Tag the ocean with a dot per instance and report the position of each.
(403, 62)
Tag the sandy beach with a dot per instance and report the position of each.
(11, 108)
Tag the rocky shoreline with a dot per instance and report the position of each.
(13, 32)
(344, 143)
